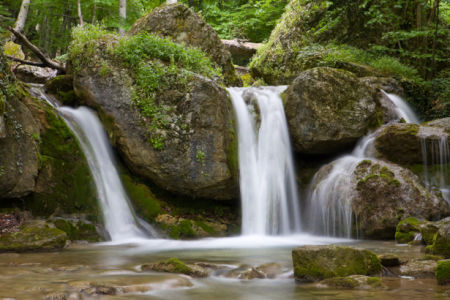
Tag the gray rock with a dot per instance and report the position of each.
(328, 110)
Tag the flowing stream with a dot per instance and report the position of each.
(329, 207)
(269, 198)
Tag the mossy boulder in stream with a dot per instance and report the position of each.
(183, 25)
(328, 110)
(168, 117)
(315, 263)
(441, 241)
(33, 236)
(443, 272)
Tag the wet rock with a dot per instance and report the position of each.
(443, 272)
(353, 282)
(33, 236)
(241, 51)
(441, 240)
(19, 161)
(101, 289)
(181, 228)
(62, 88)
(409, 139)
(252, 274)
(185, 26)
(407, 230)
(173, 265)
(419, 268)
(315, 263)
(381, 193)
(32, 74)
(389, 260)
(319, 93)
(77, 229)
(270, 270)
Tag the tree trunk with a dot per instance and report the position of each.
(80, 15)
(436, 32)
(122, 14)
(22, 17)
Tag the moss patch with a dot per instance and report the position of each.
(65, 183)
(78, 230)
(145, 203)
(443, 272)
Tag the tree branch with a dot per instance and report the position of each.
(45, 60)
(27, 62)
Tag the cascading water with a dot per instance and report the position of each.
(120, 221)
(329, 208)
(267, 179)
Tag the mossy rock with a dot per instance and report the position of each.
(174, 265)
(441, 242)
(353, 282)
(407, 229)
(78, 230)
(62, 88)
(389, 260)
(319, 93)
(65, 184)
(33, 236)
(315, 263)
(443, 272)
(183, 25)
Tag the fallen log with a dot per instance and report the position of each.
(46, 62)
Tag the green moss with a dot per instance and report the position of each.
(404, 237)
(67, 182)
(78, 231)
(443, 272)
(206, 228)
(374, 282)
(33, 237)
(313, 263)
(233, 153)
(441, 246)
(182, 230)
(407, 229)
(144, 201)
(341, 282)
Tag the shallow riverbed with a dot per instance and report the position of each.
(35, 275)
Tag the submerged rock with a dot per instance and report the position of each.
(315, 263)
(33, 236)
(173, 265)
(328, 110)
(353, 282)
(183, 25)
(419, 268)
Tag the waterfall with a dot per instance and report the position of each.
(118, 215)
(329, 209)
(269, 197)
(436, 170)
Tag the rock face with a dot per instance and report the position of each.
(403, 143)
(185, 146)
(419, 268)
(315, 263)
(18, 151)
(185, 26)
(33, 236)
(329, 110)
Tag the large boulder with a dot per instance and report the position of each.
(184, 26)
(329, 110)
(176, 132)
(376, 194)
(315, 263)
(409, 144)
(441, 241)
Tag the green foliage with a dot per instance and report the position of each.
(443, 272)
(182, 230)
(245, 19)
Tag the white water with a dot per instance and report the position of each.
(269, 196)
(118, 215)
(329, 207)
(117, 212)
